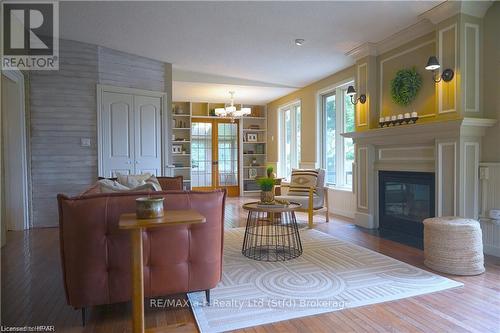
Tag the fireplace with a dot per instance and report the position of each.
(405, 200)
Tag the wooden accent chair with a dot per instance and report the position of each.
(312, 203)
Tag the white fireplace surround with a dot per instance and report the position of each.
(450, 149)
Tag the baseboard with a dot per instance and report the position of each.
(344, 213)
(491, 250)
(364, 220)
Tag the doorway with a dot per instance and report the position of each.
(129, 131)
(15, 200)
(215, 155)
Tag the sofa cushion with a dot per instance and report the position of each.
(303, 200)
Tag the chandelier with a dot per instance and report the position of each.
(230, 110)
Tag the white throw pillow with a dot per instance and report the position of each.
(110, 186)
(132, 181)
(153, 181)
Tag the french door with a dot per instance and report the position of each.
(215, 155)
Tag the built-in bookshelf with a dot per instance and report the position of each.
(252, 136)
(254, 150)
(181, 141)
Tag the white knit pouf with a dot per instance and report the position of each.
(453, 245)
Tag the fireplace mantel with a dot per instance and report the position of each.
(422, 132)
(450, 149)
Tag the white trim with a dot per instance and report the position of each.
(440, 177)
(476, 67)
(336, 89)
(393, 57)
(295, 159)
(100, 89)
(26, 223)
(475, 179)
(359, 91)
(358, 192)
(381, 158)
(440, 84)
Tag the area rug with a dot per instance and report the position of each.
(330, 275)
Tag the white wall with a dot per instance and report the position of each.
(490, 198)
(341, 202)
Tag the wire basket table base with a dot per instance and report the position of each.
(271, 236)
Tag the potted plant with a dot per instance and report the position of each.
(270, 173)
(267, 189)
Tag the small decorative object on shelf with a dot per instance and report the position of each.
(149, 207)
(176, 149)
(251, 137)
(252, 173)
(267, 189)
(400, 119)
(254, 127)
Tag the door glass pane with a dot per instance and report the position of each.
(228, 154)
(201, 154)
(348, 143)
(329, 110)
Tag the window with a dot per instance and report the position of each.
(337, 152)
(289, 139)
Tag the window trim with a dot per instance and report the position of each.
(281, 151)
(339, 128)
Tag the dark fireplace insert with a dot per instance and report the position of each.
(405, 200)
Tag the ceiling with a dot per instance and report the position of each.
(247, 47)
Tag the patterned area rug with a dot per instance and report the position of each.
(330, 275)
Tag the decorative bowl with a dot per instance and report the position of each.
(149, 207)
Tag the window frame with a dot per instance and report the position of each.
(294, 154)
(338, 90)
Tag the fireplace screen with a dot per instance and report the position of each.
(406, 199)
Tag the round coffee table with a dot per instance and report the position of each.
(271, 233)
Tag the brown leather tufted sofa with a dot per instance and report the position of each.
(95, 254)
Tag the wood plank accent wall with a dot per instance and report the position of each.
(127, 70)
(63, 110)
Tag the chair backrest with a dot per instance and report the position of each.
(320, 187)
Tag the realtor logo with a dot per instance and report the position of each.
(30, 35)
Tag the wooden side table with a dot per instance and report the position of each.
(136, 227)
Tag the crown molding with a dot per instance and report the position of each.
(363, 50)
(399, 38)
(425, 25)
(450, 8)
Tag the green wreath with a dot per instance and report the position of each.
(405, 86)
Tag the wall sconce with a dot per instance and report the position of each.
(352, 92)
(433, 65)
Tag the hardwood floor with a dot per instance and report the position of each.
(32, 292)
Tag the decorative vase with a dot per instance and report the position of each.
(267, 196)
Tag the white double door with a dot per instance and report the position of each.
(130, 134)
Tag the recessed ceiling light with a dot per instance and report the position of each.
(299, 41)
